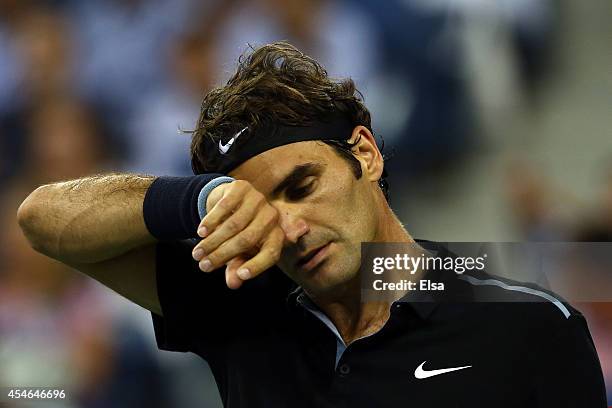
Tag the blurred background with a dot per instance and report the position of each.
(497, 116)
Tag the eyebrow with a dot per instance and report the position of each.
(298, 173)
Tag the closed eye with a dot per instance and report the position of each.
(300, 192)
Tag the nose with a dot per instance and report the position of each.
(294, 226)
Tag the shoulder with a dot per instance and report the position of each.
(485, 287)
(539, 329)
(515, 305)
(521, 318)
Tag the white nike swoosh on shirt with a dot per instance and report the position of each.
(420, 373)
(223, 148)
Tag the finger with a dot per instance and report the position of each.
(267, 257)
(247, 240)
(223, 208)
(234, 264)
(250, 211)
(232, 280)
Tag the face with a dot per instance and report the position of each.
(323, 208)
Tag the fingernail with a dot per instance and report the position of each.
(244, 273)
(198, 254)
(202, 231)
(205, 265)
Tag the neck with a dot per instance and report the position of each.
(352, 317)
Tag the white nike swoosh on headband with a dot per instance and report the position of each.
(224, 148)
(420, 373)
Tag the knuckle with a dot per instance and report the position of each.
(216, 258)
(273, 215)
(274, 249)
(241, 185)
(226, 203)
(207, 246)
(273, 221)
(279, 235)
(233, 225)
(246, 240)
(257, 198)
(274, 252)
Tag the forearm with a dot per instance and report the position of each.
(87, 220)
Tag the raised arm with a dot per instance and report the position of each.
(96, 225)
(106, 227)
(88, 220)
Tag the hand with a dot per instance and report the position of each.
(241, 230)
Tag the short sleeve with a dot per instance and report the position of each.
(567, 370)
(200, 313)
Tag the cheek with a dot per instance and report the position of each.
(350, 209)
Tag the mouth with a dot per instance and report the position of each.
(312, 258)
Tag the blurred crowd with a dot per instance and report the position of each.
(107, 85)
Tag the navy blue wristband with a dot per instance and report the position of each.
(170, 206)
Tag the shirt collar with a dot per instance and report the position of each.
(423, 303)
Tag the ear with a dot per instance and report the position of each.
(366, 151)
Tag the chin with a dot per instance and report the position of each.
(327, 279)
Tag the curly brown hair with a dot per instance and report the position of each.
(276, 84)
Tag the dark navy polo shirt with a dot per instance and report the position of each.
(483, 342)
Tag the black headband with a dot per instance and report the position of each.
(246, 142)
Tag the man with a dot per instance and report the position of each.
(289, 183)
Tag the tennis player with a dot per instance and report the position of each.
(253, 264)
